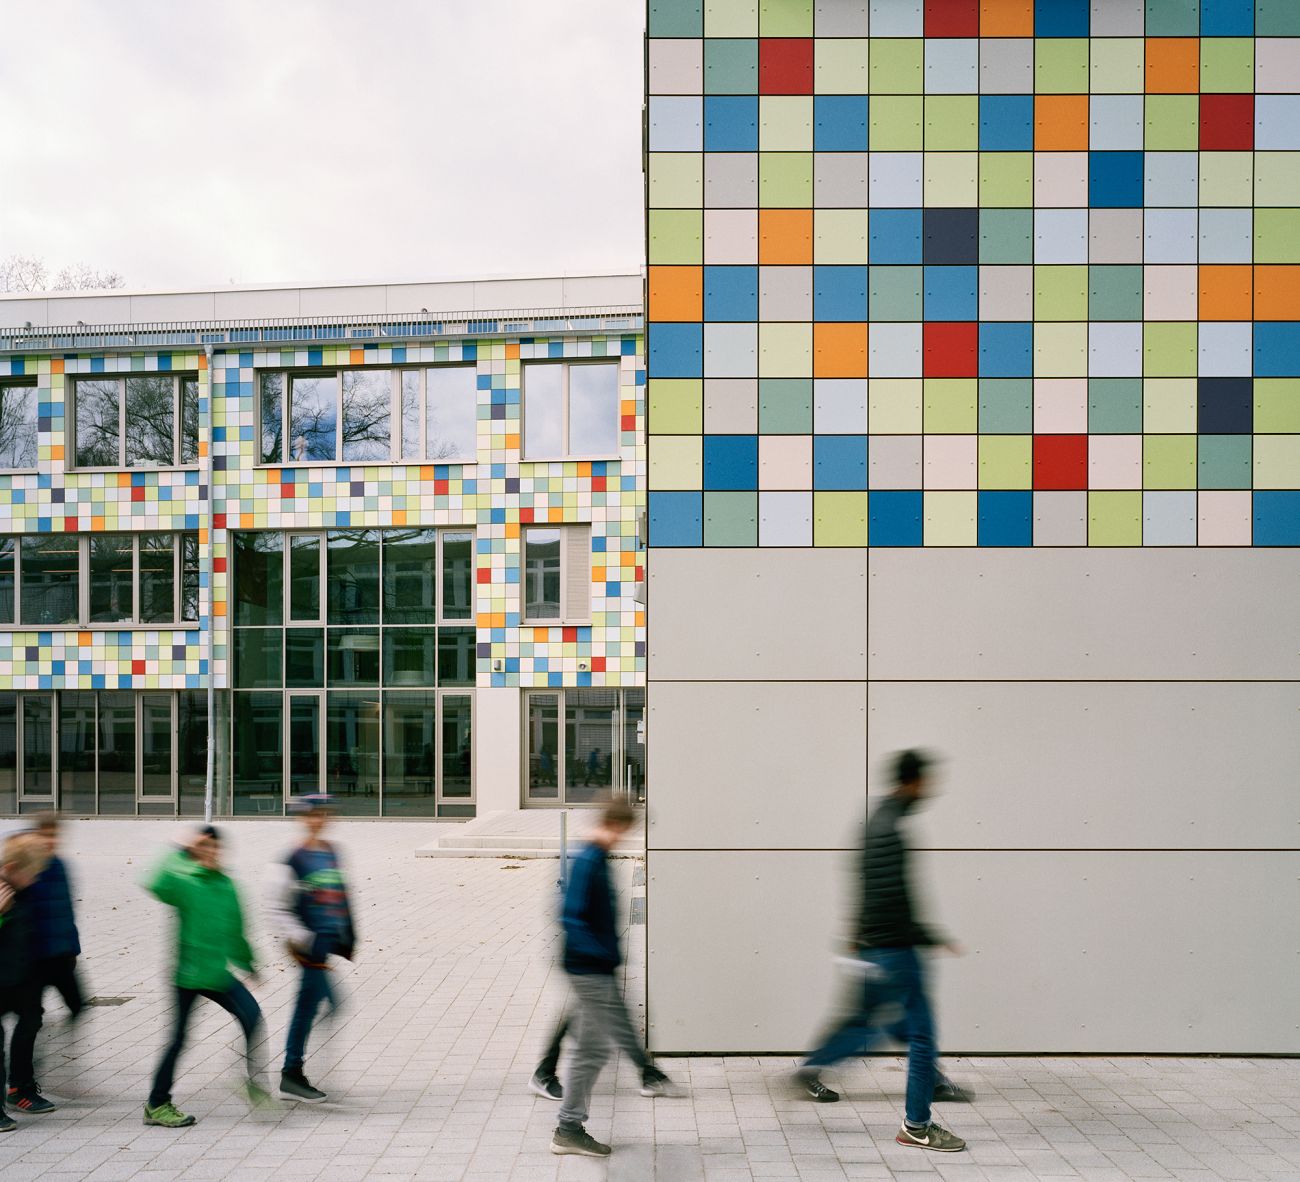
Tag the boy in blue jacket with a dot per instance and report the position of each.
(22, 858)
(55, 946)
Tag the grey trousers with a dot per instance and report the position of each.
(599, 1019)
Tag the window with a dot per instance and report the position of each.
(570, 409)
(370, 415)
(145, 420)
(557, 573)
(128, 579)
(581, 745)
(18, 424)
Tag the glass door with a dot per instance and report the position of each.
(157, 784)
(36, 774)
(303, 746)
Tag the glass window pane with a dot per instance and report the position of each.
(542, 574)
(410, 576)
(77, 752)
(588, 744)
(451, 409)
(8, 555)
(49, 578)
(157, 578)
(304, 577)
(304, 744)
(367, 409)
(353, 577)
(259, 575)
(352, 751)
(456, 656)
(410, 779)
(354, 656)
(189, 442)
(155, 745)
(457, 575)
(150, 420)
(189, 576)
(593, 410)
(96, 427)
(543, 747)
(257, 657)
(257, 773)
(457, 747)
(111, 579)
(410, 414)
(37, 719)
(410, 655)
(543, 386)
(17, 426)
(634, 742)
(192, 750)
(313, 417)
(117, 752)
(304, 657)
(8, 752)
(272, 416)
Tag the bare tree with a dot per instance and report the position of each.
(22, 272)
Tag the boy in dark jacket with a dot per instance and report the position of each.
(55, 947)
(21, 861)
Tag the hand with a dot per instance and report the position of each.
(953, 948)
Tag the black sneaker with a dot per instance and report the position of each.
(578, 1141)
(30, 1100)
(546, 1086)
(7, 1122)
(811, 1085)
(952, 1093)
(655, 1083)
(294, 1086)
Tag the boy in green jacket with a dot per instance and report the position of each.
(211, 939)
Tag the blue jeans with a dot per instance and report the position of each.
(313, 989)
(236, 1001)
(900, 980)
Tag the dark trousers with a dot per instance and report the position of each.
(20, 1000)
(313, 989)
(61, 973)
(237, 1002)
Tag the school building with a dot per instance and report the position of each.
(385, 540)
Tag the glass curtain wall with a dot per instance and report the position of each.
(581, 745)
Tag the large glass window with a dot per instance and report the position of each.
(451, 414)
(8, 580)
(257, 754)
(36, 724)
(112, 578)
(353, 557)
(313, 417)
(352, 751)
(137, 420)
(117, 788)
(157, 578)
(259, 578)
(304, 577)
(410, 576)
(156, 755)
(410, 743)
(18, 424)
(77, 743)
(8, 752)
(49, 566)
(584, 744)
(457, 575)
(367, 408)
(191, 751)
(571, 410)
(557, 573)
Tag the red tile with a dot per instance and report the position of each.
(1227, 122)
(951, 350)
(1061, 461)
(785, 65)
(952, 18)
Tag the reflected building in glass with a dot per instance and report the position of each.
(384, 542)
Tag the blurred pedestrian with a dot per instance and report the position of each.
(309, 912)
(210, 938)
(892, 973)
(55, 946)
(546, 1080)
(22, 859)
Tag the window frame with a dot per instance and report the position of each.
(28, 382)
(565, 364)
(563, 619)
(179, 377)
(395, 432)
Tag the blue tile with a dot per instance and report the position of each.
(1277, 349)
(1006, 123)
(840, 462)
(1060, 18)
(1227, 18)
(1006, 518)
(730, 293)
(1115, 179)
(1006, 350)
(730, 462)
(676, 350)
(840, 293)
(894, 518)
(952, 293)
(840, 123)
(894, 236)
(1277, 518)
(676, 518)
(731, 123)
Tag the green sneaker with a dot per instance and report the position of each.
(258, 1096)
(168, 1116)
(930, 1137)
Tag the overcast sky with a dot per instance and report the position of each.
(268, 141)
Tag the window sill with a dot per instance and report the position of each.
(411, 463)
(186, 626)
(554, 623)
(20, 471)
(128, 471)
(611, 459)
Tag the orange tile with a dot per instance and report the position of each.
(1173, 65)
(203, 535)
(245, 521)
(1007, 18)
(512, 352)
(628, 558)
(839, 350)
(56, 365)
(56, 451)
(399, 516)
(1277, 292)
(85, 638)
(498, 619)
(1225, 292)
(597, 574)
(785, 236)
(426, 472)
(357, 356)
(512, 529)
(97, 523)
(512, 443)
(124, 480)
(676, 293)
(1061, 122)
(584, 468)
(203, 361)
(218, 607)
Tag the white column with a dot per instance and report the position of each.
(497, 738)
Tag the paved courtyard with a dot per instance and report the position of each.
(454, 991)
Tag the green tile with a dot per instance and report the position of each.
(1277, 235)
(676, 462)
(676, 406)
(1061, 65)
(894, 293)
(1115, 292)
(731, 18)
(895, 65)
(1117, 65)
(951, 123)
(1173, 18)
(1169, 461)
(1115, 406)
(1277, 461)
(676, 236)
(1277, 405)
(730, 65)
(785, 18)
(1061, 293)
(1006, 235)
(676, 180)
(1006, 179)
(1114, 519)
(785, 123)
(1169, 349)
(1006, 461)
(895, 123)
(785, 180)
(676, 18)
(1277, 18)
(785, 406)
(1169, 406)
(1172, 123)
(1227, 65)
(950, 406)
(1223, 461)
(1277, 178)
(839, 519)
(1006, 406)
(731, 519)
(1226, 179)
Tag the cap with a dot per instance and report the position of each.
(312, 802)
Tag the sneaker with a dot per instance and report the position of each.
(811, 1085)
(294, 1086)
(167, 1115)
(258, 1096)
(952, 1093)
(546, 1086)
(578, 1141)
(7, 1122)
(655, 1083)
(930, 1137)
(30, 1100)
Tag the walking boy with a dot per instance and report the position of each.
(888, 936)
(55, 946)
(546, 1082)
(310, 913)
(210, 939)
(22, 859)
